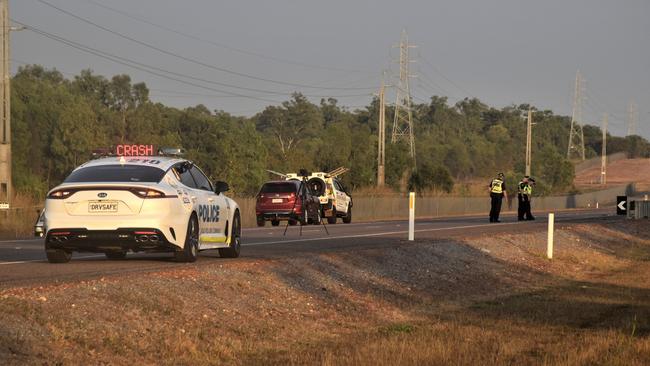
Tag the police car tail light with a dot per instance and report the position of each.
(147, 193)
(61, 194)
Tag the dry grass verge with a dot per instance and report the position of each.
(484, 300)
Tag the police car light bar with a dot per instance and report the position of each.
(98, 153)
(171, 151)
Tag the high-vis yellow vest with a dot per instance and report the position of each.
(497, 186)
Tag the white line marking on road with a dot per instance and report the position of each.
(390, 233)
(45, 260)
(377, 234)
(17, 240)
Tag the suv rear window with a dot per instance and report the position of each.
(278, 188)
(116, 173)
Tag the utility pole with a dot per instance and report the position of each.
(529, 141)
(576, 134)
(603, 154)
(5, 112)
(403, 122)
(381, 140)
(632, 117)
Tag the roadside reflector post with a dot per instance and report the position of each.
(411, 216)
(596, 204)
(549, 244)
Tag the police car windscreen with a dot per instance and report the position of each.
(278, 187)
(116, 173)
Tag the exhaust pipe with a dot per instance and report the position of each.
(153, 238)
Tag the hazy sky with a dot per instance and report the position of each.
(502, 52)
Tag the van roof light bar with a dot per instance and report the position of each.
(338, 171)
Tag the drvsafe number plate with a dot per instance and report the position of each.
(102, 206)
(276, 200)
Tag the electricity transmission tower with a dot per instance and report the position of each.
(403, 121)
(576, 135)
(632, 118)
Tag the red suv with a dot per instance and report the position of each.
(287, 200)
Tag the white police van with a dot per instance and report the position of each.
(141, 203)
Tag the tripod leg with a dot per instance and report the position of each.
(285, 229)
(325, 226)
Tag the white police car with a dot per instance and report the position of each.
(136, 202)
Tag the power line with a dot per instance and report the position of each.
(197, 62)
(445, 77)
(222, 45)
(132, 64)
(262, 91)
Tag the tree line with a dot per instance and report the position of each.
(57, 122)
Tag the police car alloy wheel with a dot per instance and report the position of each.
(235, 240)
(190, 249)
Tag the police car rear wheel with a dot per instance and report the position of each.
(116, 255)
(235, 240)
(191, 248)
(58, 256)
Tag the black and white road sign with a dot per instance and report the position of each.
(621, 205)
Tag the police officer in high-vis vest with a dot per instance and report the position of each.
(524, 195)
(497, 190)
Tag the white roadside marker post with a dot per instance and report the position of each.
(411, 216)
(549, 245)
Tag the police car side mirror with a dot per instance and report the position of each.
(220, 187)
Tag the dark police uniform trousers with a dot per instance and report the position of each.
(495, 207)
(523, 211)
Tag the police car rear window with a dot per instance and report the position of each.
(116, 173)
(278, 187)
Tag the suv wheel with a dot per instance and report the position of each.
(235, 241)
(332, 219)
(191, 248)
(318, 218)
(261, 222)
(348, 218)
(304, 218)
(58, 256)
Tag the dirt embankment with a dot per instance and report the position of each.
(619, 172)
(482, 300)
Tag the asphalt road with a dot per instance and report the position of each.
(22, 262)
